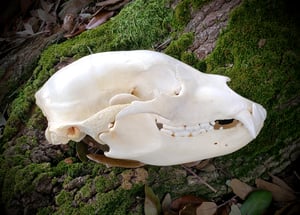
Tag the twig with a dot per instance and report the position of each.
(199, 178)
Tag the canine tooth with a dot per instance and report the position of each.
(246, 118)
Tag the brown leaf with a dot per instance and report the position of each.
(235, 210)
(107, 2)
(280, 182)
(240, 188)
(207, 208)
(79, 30)
(279, 194)
(188, 209)
(117, 6)
(290, 209)
(224, 209)
(99, 19)
(152, 204)
(179, 203)
(166, 204)
(73, 7)
(69, 22)
(113, 162)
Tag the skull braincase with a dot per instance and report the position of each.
(149, 107)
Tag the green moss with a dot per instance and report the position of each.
(63, 198)
(9, 183)
(179, 46)
(45, 211)
(264, 73)
(85, 192)
(104, 183)
(183, 10)
(24, 177)
(182, 13)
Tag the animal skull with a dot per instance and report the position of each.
(149, 107)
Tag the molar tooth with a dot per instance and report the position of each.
(168, 132)
(182, 133)
(173, 128)
(194, 128)
(205, 125)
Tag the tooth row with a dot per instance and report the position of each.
(187, 131)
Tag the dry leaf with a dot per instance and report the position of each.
(69, 22)
(290, 209)
(235, 210)
(240, 188)
(114, 162)
(99, 19)
(279, 194)
(45, 16)
(27, 32)
(108, 2)
(117, 6)
(179, 203)
(152, 204)
(207, 208)
(166, 204)
(46, 6)
(280, 182)
(72, 7)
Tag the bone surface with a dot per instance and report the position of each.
(147, 107)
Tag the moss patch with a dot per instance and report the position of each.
(259, 51)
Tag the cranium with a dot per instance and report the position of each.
(148, 107)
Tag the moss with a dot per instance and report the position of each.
(45, 211)
(24, 177)
(179, 46)
(63, 198)
(182, 13)
(105, 183)
(264, 73)
(85, 192)
(8, 184)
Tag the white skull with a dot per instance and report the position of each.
(149, 107)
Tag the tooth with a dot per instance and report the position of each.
(259, 113)
(246, 118)
(166, 131)
(182, 133)
(205, 125)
